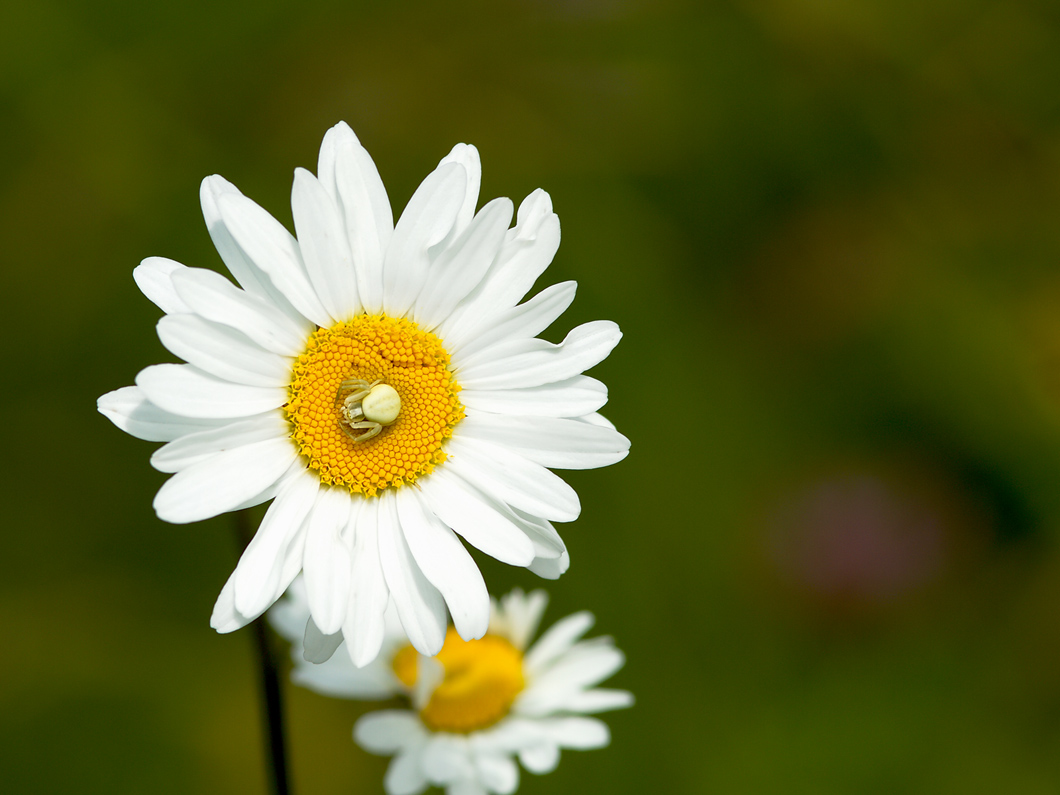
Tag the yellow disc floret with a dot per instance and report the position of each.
(482, 679)
(414, 367)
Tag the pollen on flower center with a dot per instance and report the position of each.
(408, 408)
(482, 679)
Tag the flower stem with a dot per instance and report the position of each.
(275, 742)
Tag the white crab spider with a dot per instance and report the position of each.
(368, 408)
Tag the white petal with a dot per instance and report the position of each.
(584, 666)
(467, 156)
(530, 247)
(223, 351)
(466, 786)
(272, 249)
(337, 677)
(599, 700)
(154, 278)
(213, 297)
(557, 640)
(446, 759)
(364, 625)
(550, 568)
(327, 560)
(513, 479)
(577, 732)
(461, 266)
(259, 567)
(249, 276)
(426, 221)
(226, 618)
(524, 614)
(524, 321)
(418, 602)
(195, 447)
(446, 564)
(497, 772)
(322, 241)
(129, 409)
(347, 172)
(541, 758)
(404, 775)
(188, 391)
(463, 508)
(573, 397)
(547, 542)
(388, 731)
(550, 441)
(317, 647)
(514, 365)
(223, 482)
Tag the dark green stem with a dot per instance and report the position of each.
(275, 743)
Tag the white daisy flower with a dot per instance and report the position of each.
(479, 705)
(383, 386)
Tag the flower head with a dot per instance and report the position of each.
(383, 386)
(480, 704)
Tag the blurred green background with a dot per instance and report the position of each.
(829, 230)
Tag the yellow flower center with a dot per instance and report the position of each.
(482, 679)
(372, 348)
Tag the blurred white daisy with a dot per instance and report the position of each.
(383, 386)
(479, 705)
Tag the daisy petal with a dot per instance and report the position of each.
(257, 571)
(249, 276)
(130, 410)
(272, 248)
(584, 666)
(327, 560)
(526, 320)
(577, 732)
(388, 731)
(426, 221)
(364, 626)
(466, 786)
(557, 640)
(513, 479)
(347, 172)
(497, 772)
(457, 504)
(524, 614)
(529, 249)
(195, 447)
(226, 618)
(541, 758)
(317, 647)
(404, 775)
(550, 568)
(222, 351)
(599, 700)
(222, 482)
(467, 156)
(322, 241)
(446, 564)
(550, 441)
(154, 278)
(419, 603)
(211, 296)
(516, 364)
(572, 397)
(461, 266)
(189, 392)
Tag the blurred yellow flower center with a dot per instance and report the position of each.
(482, 679)
(413, 369)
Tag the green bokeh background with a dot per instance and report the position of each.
(829, 230)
